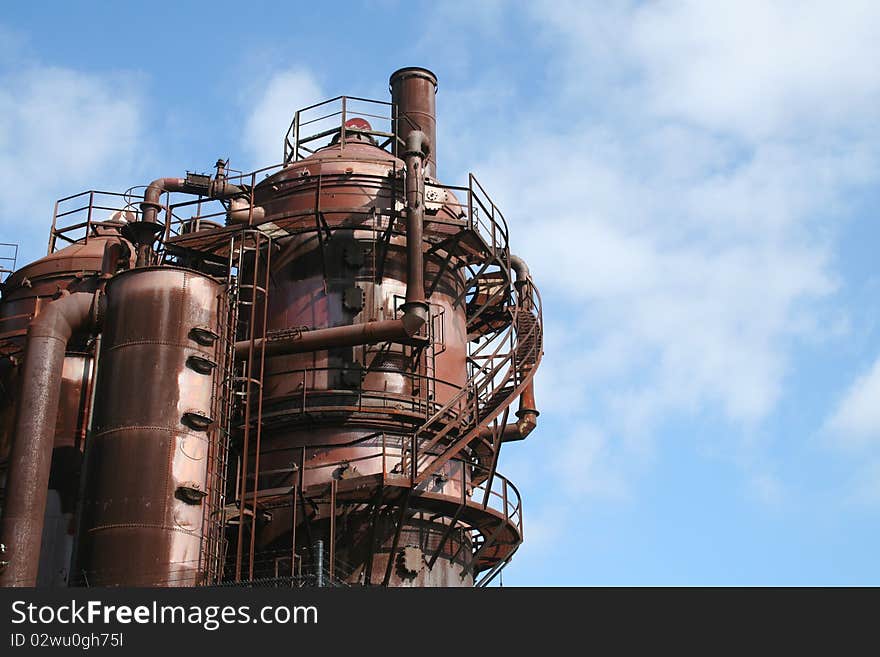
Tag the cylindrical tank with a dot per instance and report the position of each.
(333, 403)
(149, 467)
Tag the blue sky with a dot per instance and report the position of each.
(695, 187)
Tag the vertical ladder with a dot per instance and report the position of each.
(248, 379)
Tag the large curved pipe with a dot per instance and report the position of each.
(143, 232)
(152, 202)
(527, 418)
(527, 415)
(219, 188)
(417, 149)
(116, 255)
(521, 269)
(415, 309)
(31, 458)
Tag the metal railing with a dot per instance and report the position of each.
(329, 121)
(486, 503)
(8, 259)
(74, 217)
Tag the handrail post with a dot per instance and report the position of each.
(89, 216)
(52, 231)
(470, 201)
(414, 464)
(296, 136)
(342, 136)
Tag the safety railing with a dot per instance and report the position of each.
(386, 455)
(497, 378)
(8, 259)
(75, 217)
(336, 121)
(485, 218)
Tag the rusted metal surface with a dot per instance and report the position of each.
(31, 457)
(76, 268)
(413, 92)
(147, 466)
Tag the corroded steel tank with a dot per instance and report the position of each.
(357, 404)
(149, 459)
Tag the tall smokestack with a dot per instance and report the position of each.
(413, 92)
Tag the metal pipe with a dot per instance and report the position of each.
(31, 458)
(527, 415)
(417, 148)
(521, 269)
(151, 204)
(387, 330)
(413, 93)
(116, 254)
(218, 189)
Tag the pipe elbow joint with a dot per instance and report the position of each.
(151, 204)
(63, 317)
(527, 420)
(415, 316)
(156, 188)
(520, 268)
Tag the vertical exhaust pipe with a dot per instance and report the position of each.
(527, 414)
(418, 150)
(30, 462)
(413, 93)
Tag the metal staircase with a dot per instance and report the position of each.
(505, 324)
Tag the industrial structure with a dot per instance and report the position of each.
(301, 375)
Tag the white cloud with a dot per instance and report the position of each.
(677, 201)
(60, 131)
(855, 423)
(754, 68)
(273, 107)
(696, 310)
(759, 68)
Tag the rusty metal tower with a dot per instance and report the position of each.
(301, 375)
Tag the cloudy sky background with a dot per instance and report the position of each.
(694, 185)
